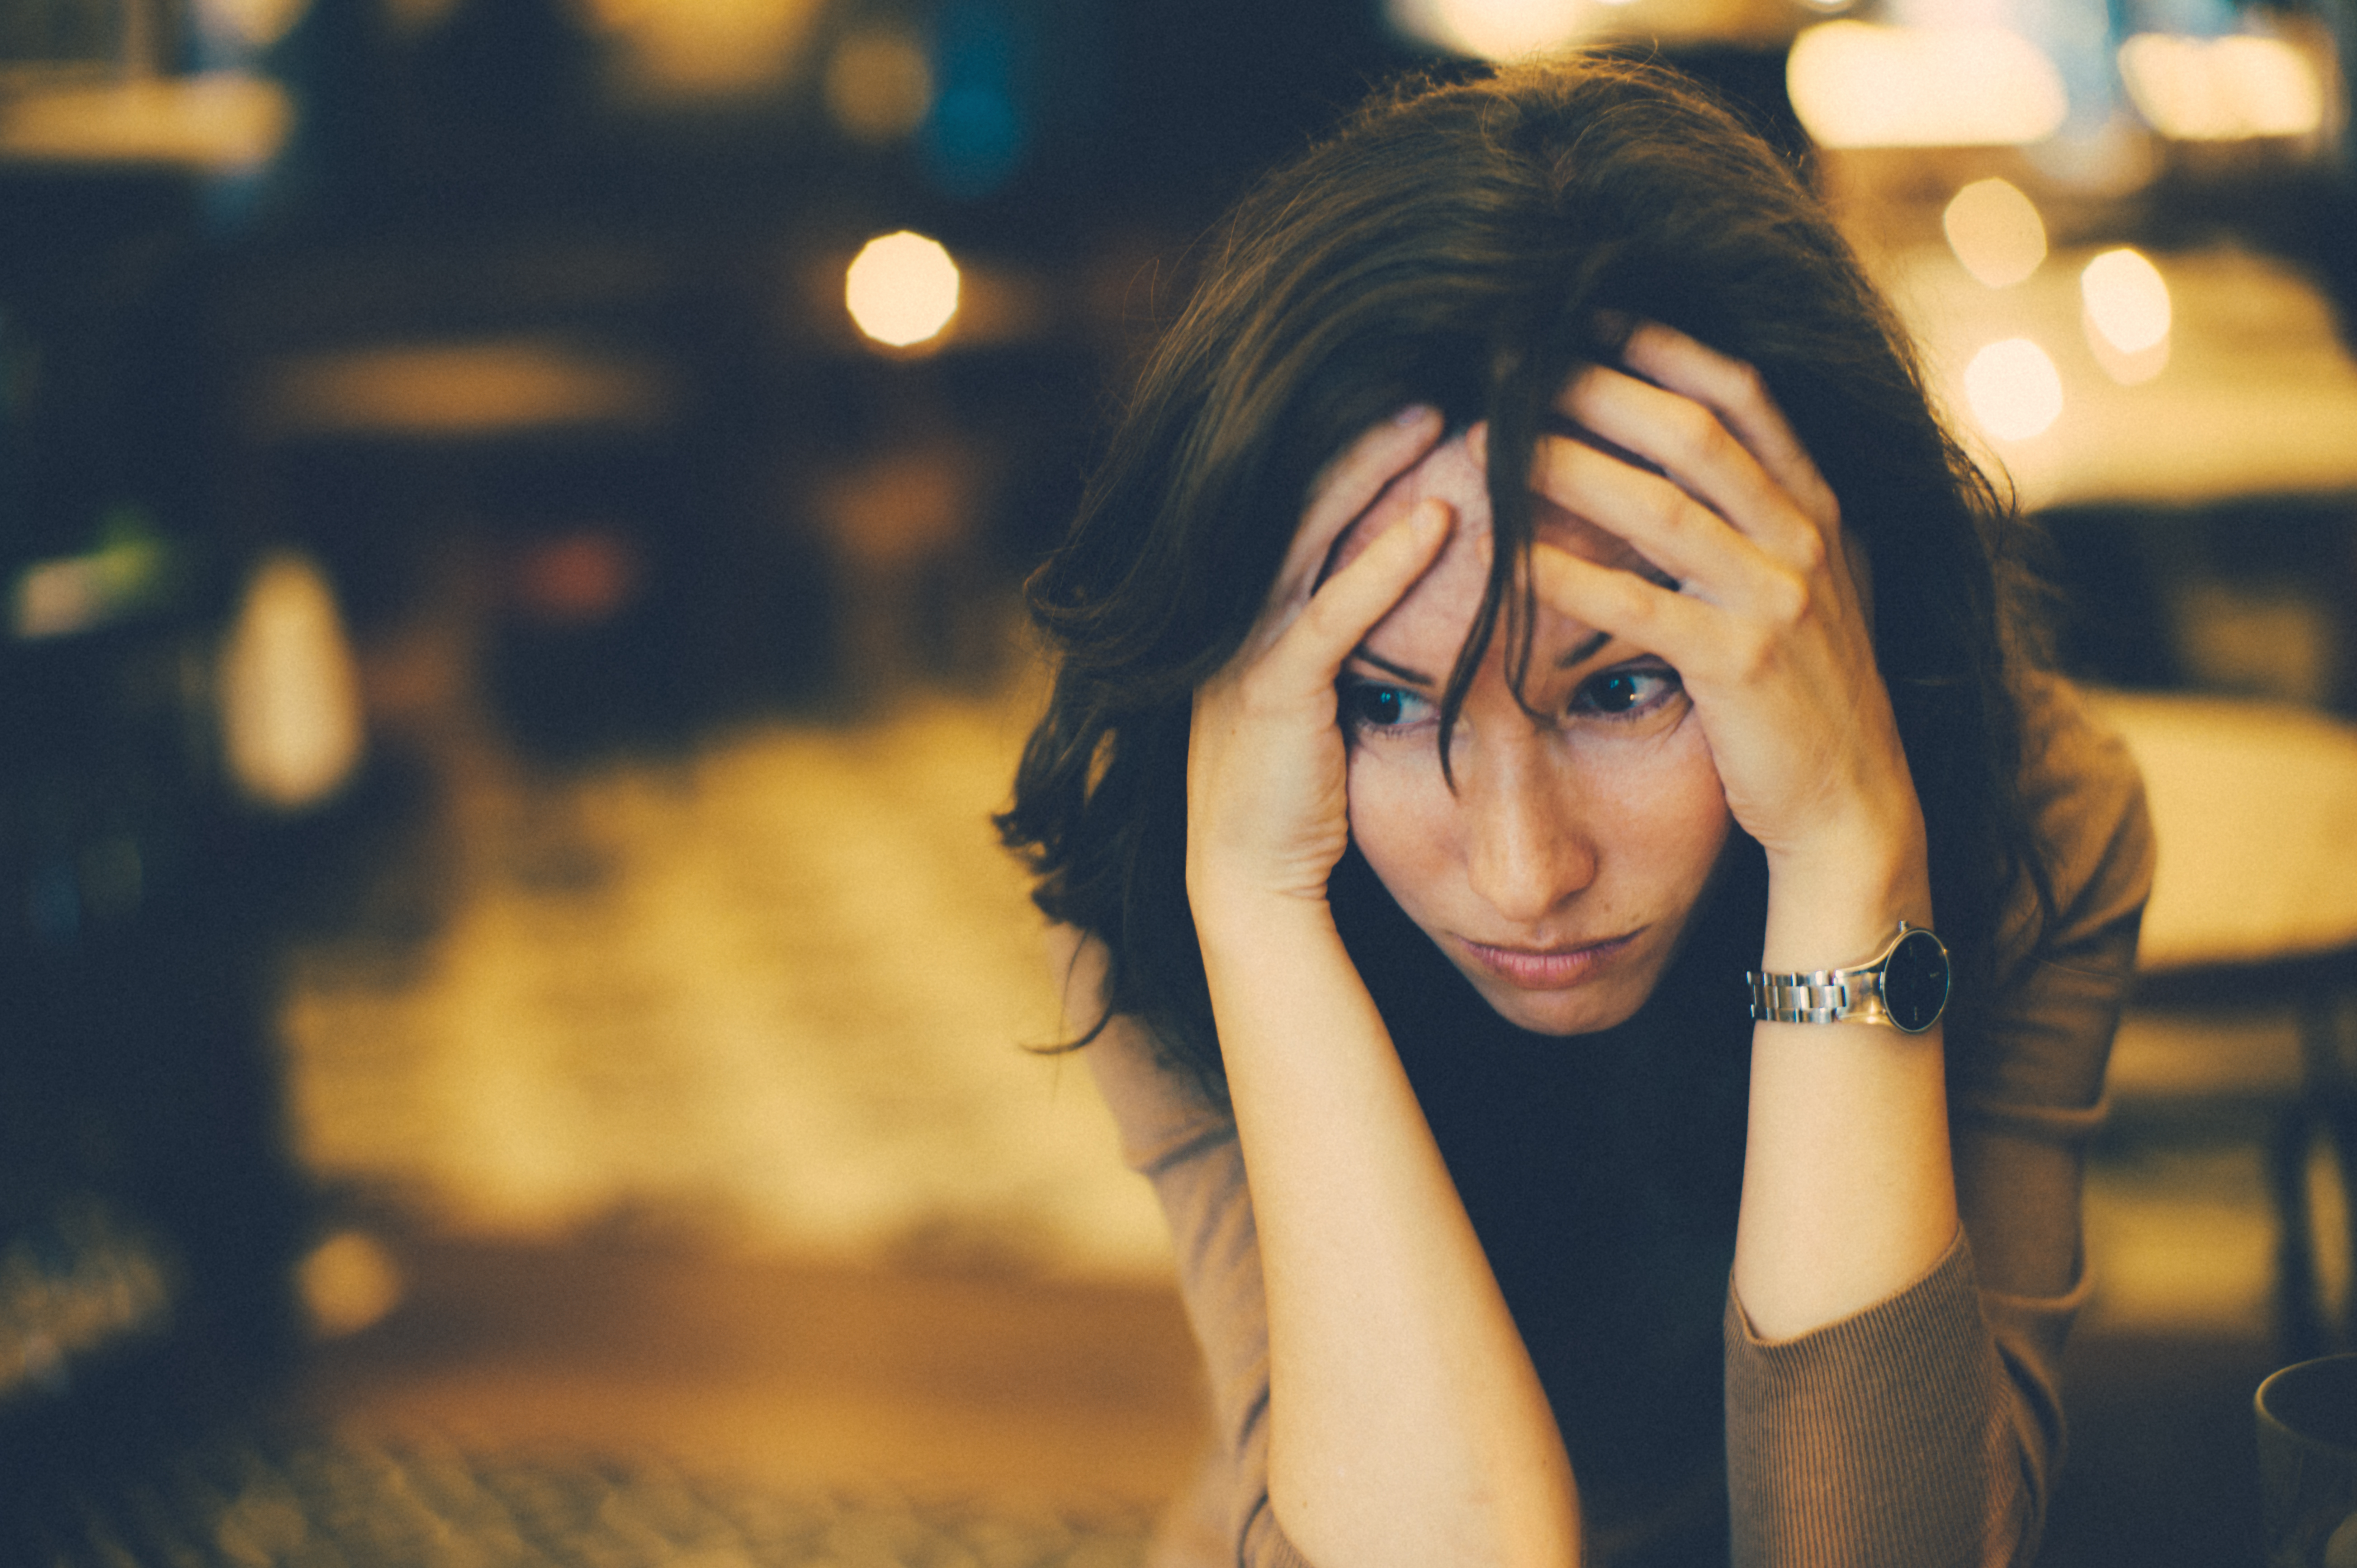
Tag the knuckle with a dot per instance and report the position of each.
(1788, 598)
(1666, 510)
(1751, 652)
(1745, 384)
(1812, 554)
(1697, 435)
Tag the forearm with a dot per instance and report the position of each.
(1407, 1424)
(1848, 1187)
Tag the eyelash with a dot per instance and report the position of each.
(1357, 693)
(1584, 700)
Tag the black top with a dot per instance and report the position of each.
(1603, 1174)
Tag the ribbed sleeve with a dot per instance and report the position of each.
(1884, 1439)
(1188, 1149)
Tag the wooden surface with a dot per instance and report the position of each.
(781, 1373)
(2255, 809)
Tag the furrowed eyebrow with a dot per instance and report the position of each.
(1582, 651)
(1398, 672)
(1587, 648)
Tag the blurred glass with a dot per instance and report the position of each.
(2308, 1464)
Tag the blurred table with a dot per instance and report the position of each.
(2254, 897)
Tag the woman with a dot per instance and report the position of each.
(1526, 596)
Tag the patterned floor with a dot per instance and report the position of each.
(773, 994)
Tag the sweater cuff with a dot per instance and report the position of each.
(1881, 1438)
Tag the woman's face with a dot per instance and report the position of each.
(1560, 872)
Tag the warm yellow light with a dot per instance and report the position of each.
(2126, 299)
(256, 24)
(1858, 85)
(215, 120)
(2124, 311)
(902, 289)
(350, 1283)
(880, 86)
(1491, 29)
(707, 48)
(291, 725)
(1995, 231)
(2209, 89)
(2014, 389)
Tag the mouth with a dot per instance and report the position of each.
(1548, 968)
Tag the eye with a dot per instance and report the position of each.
(1627, 691)
(1371, 705)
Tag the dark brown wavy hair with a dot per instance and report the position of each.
(1469, 245)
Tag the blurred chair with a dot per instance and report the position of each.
(2255, 903)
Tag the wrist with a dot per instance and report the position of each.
(1245, 919)
(1841, 907)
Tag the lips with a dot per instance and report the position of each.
(1547, 969)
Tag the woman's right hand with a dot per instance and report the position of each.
(1267, 808)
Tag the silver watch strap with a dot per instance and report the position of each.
(1822, 996)
(1851, 995)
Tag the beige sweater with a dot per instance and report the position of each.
(1923, 1431)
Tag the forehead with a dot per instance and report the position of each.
(1442, 603)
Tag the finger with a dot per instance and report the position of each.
(1650, 619)
(1699, 451)
(1676, 534)
(1348, 604)
(1734, 392)
(1348, 486)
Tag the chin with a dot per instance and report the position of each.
(1579, 1010)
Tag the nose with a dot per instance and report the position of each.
(1528, 848)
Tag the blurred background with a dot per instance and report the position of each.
(510, 519)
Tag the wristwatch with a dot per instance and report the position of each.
(1905, 985)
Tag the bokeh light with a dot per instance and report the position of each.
(2014, 389)
(2126, 299)
(1861, 84)
(292, 730)
(1995, 231)
(2126, 316)
(706, 48)
(879, 85)
(902, 289)
(2207, 90)
(1490, 29)
(255, 24)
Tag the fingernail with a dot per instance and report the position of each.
(1427, 521)
(1412, 413)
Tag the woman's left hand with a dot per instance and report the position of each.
(1768, 630)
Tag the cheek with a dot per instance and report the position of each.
(1402, 818)
(1669, 800)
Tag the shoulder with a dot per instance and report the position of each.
(1163, 1114)
(2085, 803)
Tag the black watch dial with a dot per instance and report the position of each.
(1915, 982)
